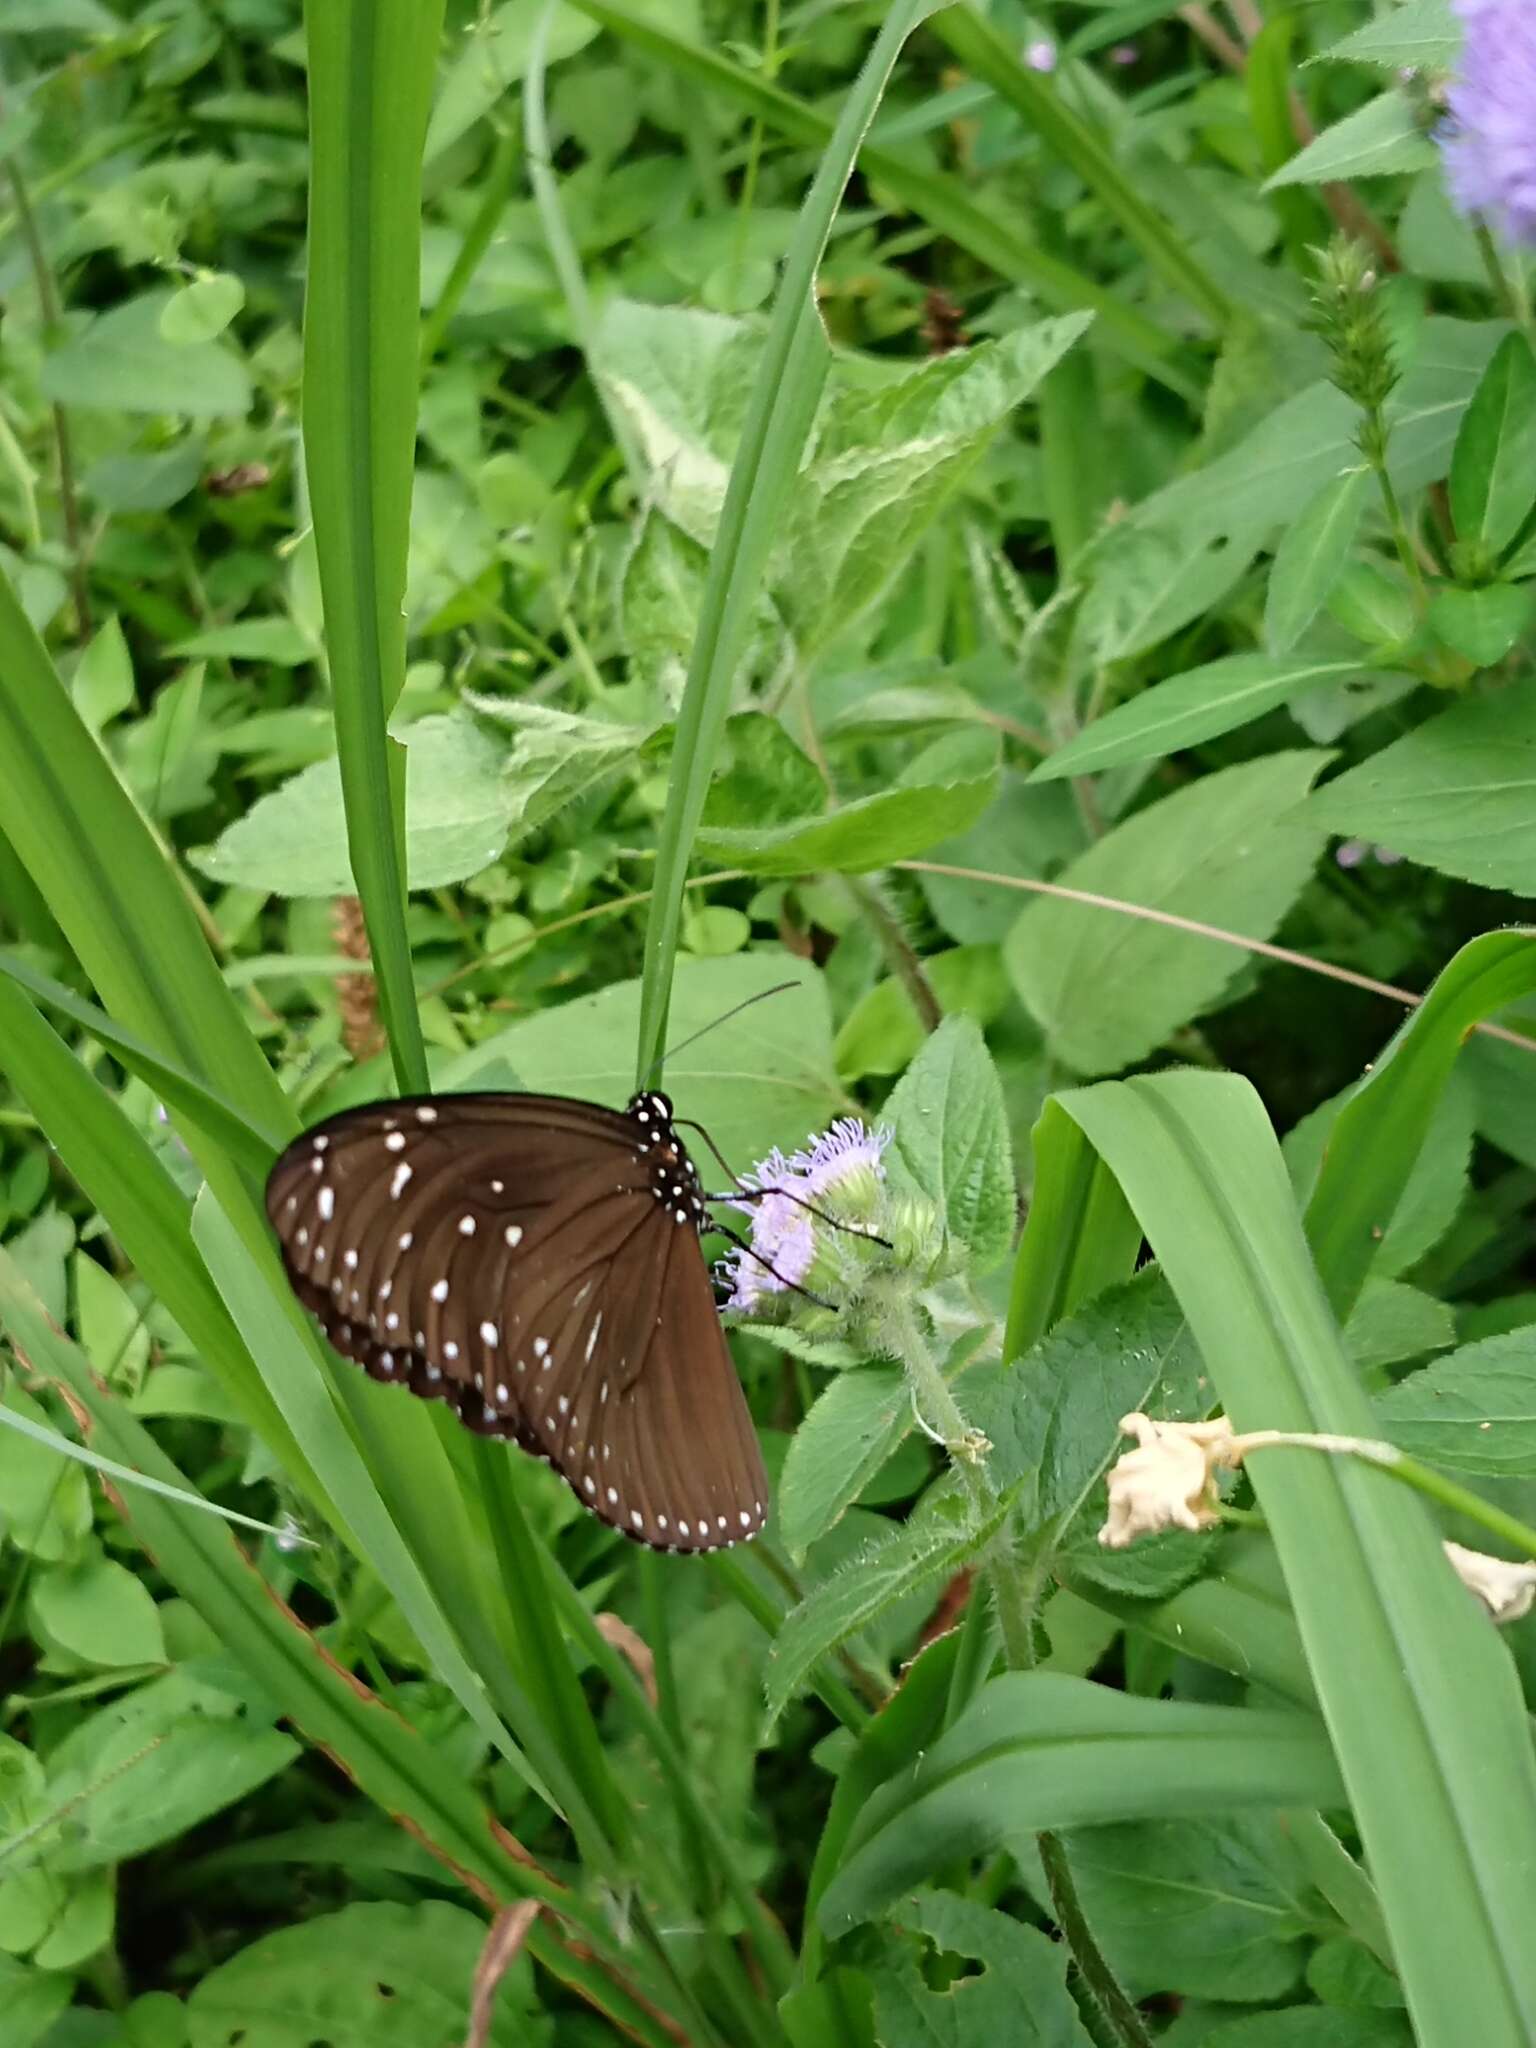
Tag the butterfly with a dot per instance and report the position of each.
(535, 1261)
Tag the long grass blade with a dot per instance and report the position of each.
(371, 67)
(789, 384)
(1420, 1696)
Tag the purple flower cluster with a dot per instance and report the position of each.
(1490, 140)
(784, 1230)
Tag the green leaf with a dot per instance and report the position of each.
(493, 56)
(459, 810)
(1311, 2026)
(886, 462)
(848, 1434)
(392, 1976)
(275, 640)
(1188, 708)
(1380, 138)
(1383, 1129)
(31, 2001)
(102, 685)
(1310, 558)
(1041, 1750)
(112, 1330)
(1209, 1909)
(98, 1612)
(883, 1031)
(760, 1079)
(1473, 1411)
(1458, 793)
(1424, 35)
(1482, 624)
(1419, 1206)
(45, 1503)
(154, 1764)
(950, 1139)
(121, 362)
(1232, 850)
(1493, 469)
(1019, 1996)
(201, 310)
(939, 793)
(1391, 1322)
(1053, 1416)
(862, 1588)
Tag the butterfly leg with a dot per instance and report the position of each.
(743, 1195)
(769, 1267)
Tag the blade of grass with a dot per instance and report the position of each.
(1381, 1130)
(147, 1213)
(371, 70)
(253, 1147)
(936, 197)
(1420, 1696)
(109, 886)
(790, 377)
(987, 56)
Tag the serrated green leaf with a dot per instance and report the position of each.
(886, 462)
(1422, 34)
(1391, 1322)
(950, 1139)
(1471, 1411)
(102, 685)
(395, 1976)
(200, 311)
(1458, 793)
(862, 1588)
(848, 1433)
(1232, 850)
(1382, 137)
(459, 811)
(1018, 1996)
(944, 790)
(1188, 708)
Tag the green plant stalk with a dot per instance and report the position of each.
(834, 1692)
(1015, 1605)
(493, 201)
(1373, 446)
(778, 419)
(371, 67)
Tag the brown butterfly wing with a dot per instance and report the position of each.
(532, 1261)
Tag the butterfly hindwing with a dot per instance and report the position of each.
(534, 1261)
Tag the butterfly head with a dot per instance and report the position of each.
(653, 1112)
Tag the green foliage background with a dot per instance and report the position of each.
(522, 525)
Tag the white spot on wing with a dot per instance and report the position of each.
(513, 1234)
(439, 1290)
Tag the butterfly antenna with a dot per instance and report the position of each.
(739, 1196)
(778, 989)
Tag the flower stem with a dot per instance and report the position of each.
(1508, 289)
(1013, 1598)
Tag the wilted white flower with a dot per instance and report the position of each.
(1169, 1481)
(1506, 1590)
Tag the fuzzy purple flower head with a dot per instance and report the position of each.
(839, 1173)
(1490, 140)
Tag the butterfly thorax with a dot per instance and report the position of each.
(674, 1180)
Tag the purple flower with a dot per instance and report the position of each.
(1041, 55)
(1490, 141)
(839, 1172)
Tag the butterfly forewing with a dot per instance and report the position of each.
(534, 1261)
